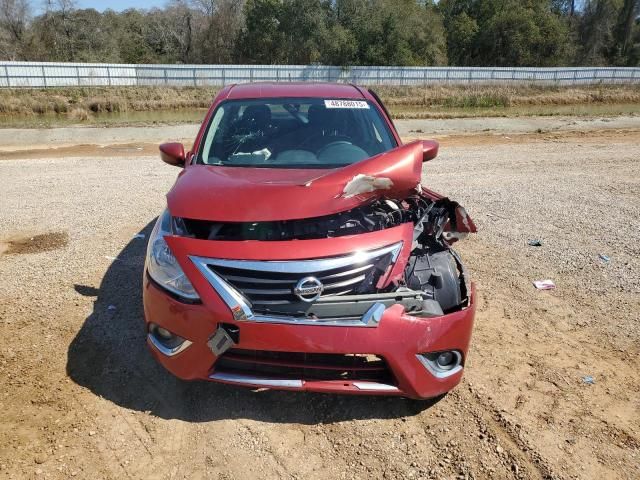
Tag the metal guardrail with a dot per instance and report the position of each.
(45, 74)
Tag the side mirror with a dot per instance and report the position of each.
(429, 150)
(173, 154)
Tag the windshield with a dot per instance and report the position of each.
(294, 133)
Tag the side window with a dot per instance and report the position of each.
(213, 127)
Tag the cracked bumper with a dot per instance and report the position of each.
(398, 338)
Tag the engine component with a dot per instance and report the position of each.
(377, 215)
(433, 268)
(437, 275)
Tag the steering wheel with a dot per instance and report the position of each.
(331, 144)
(314, 137)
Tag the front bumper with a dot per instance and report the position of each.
(399, 338)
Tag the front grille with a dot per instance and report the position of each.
(304, 366)
(267, 283)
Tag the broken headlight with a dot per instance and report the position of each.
(162, 265)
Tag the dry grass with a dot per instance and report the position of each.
(102, 99)
(76, 100)
(488, 96)
(79, 114)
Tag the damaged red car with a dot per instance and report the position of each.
(299, 250)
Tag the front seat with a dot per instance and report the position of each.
(256, 118)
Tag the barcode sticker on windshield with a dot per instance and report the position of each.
(345, 104)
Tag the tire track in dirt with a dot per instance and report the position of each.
(507, 434)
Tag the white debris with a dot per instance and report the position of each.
(264, 152)
(544, 284)
(139, 235)
(365, 184)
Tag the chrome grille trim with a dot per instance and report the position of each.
(293, 383)
(242, 308)
(273, 282)
(307, 266)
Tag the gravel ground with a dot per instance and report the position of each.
(81, 396)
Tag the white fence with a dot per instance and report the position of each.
(41, 74)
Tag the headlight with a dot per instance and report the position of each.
(162, 264)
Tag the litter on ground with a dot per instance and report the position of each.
(544, 284)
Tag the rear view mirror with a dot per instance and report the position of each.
(173, 154)
(429, 150)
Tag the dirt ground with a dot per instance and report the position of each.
(551, 388)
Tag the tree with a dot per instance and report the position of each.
(386, 32)
(261, 38)
(623, 34)
(14, 18)
(337, 32)
(218, 29)
(596, 31)
(505, 33)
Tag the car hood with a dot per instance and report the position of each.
(240, 194)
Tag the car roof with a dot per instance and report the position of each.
(293, 90)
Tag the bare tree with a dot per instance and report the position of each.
(222, 22)
(180, 27)
(14, 17)
(59, 16)
(628, 14)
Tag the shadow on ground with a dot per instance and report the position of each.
(109, 357)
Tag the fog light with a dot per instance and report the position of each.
(165, 341)
(164, 334)
(446, 360)
(442, 364)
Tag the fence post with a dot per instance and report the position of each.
(555, 77)
(469, 81)
(195, 83)
(6, 74)
(224, 81)
(109, 75)
(44, 77)
(78, 75)
(166, 76)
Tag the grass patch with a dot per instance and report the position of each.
(102, 99)
(499, 96)
(96, 104)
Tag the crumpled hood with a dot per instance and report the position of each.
(240, 194)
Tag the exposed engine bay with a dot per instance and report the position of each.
(434, 280)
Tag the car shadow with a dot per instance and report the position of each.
(109, 357)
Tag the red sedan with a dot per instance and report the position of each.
(299, 251)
